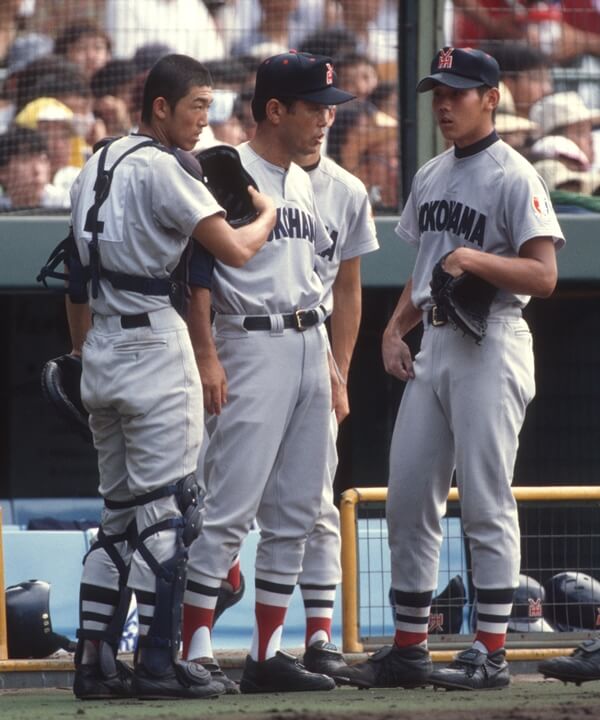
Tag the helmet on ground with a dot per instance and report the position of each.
(446, 616)
(528, 607)
(28, 624)
(572, 601)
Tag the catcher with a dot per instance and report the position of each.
(134, 206)
(481, 214)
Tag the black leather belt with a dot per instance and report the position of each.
(436, 316)
(135, 321)
(299, 320)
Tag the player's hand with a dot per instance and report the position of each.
(341, 405)
(214, 382)
(339, 391)
(453, 262)
(263, 203)
(397, 359)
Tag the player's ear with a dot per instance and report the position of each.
(492, 98)
(274, 111)
(160, 108)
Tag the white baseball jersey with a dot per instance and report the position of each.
(141, 204)
(344, 206)
(492, 200)
(281, 276)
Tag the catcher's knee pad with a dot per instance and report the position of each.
(109, 638)
(160, 646)
(189, 497)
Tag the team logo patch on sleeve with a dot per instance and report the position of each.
(540, 205)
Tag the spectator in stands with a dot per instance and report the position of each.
(146, 55)
(331, 42)
(564, 30)
(84, 44)
(515, 130)
(25, 172)
(357, 74)
(9, 12)
(558, 147)
(271, 36)
(232, 73)
(375, 25)
(385, 97)
(566, 114)
(22, 51)
(245, 112)
(54, 122)
(186, 25)
(111, 89)
(558, 176)
(224, 118)
(364, 140)
(524, 71)
(236, 18)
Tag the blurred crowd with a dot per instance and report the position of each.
(72, 71)
(549, 55)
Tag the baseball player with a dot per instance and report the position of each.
(343, 202)
(344, 206)
(483, 206)
(134, 206)
(268, 445)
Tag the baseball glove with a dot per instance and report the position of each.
(61, 378)
(465, 300)
(228, 181)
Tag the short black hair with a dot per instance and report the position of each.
(172, 77)
(44, 75)
(20, 141)
(75, 31)
(109, 78)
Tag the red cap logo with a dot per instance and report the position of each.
(445, 59)
(329, 74)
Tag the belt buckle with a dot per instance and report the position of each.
(298, 317)
(437, 320)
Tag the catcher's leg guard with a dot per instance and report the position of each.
(158, 673)
(106, 677)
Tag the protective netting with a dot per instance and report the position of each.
(73, 72)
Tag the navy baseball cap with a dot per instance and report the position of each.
(461, 68)
(300, 76)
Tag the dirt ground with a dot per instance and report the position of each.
(528, 698)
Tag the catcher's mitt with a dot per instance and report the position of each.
(465, 300)
(61, 378)
(228, 181)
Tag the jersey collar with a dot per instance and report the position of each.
(476, 147)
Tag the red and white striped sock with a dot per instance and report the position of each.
(273, 595)
(199, 604)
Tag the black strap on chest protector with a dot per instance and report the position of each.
(121, 281)
(66, 251)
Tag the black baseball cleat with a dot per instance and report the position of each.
(91, 683)
(324, 658)
(406, 667)
(228, 597)
(281, 673)
(181, 680)
(581, 666)
(213, 667)
(473, 670)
